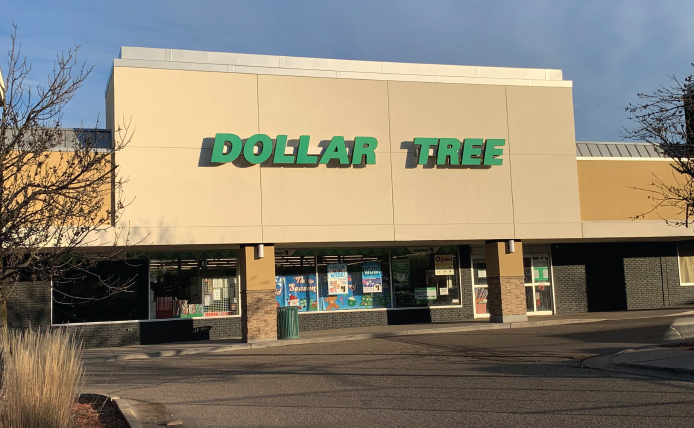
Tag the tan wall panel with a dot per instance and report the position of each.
(450, 195)
(447, 232)
(361, 233)
(445, 110)
(540, 121)
(617, 190)
(548, 230)
(174, 108)
(323, 108)
(325, 195)
(175, 116)
(189, 235)
(172, 190)
(545, 189)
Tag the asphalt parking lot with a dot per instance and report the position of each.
(522, 377)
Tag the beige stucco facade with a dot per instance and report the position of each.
(177, 101)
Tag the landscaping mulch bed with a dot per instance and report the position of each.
(97, 411)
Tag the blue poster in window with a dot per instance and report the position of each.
(372, 278)
(297, 290)
(355, 298)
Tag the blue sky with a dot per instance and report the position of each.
(610, 49)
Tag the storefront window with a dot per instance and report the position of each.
(425, 278)
(295, 282)
(109, 291)
(193, 288)
(354, 282)
(538, 286)
(479, 280)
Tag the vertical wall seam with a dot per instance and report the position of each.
(260, 167)
(390, 155)
(510, 167)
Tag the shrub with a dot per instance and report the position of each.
(41, 377)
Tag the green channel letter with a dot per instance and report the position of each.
(364, 146)
(336, 150)
(424, 145)
(302, 156)
(265, 151)
(220, 140)
(491, 151)
(280, 146)
(448, 148)
(472, 147)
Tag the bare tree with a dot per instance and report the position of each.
(665, 119)
(59, 190)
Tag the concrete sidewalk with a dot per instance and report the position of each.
(663, 359)
(362, 333)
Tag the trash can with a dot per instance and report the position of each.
(288, 322)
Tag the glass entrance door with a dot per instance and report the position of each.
(538, 284)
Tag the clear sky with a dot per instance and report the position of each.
(610, 49)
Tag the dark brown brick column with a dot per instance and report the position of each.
(505, 282)
(258, 309)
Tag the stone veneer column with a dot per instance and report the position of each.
(258, 308)
(505, 282)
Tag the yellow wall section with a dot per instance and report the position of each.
(502, 263)
(257, 273)
(613, 190)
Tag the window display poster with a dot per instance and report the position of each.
(371, 277)
(540, 269)
(401, 271)
(541, 274)
(355, 297)
(297, 290)
(428, 293)
(443, 264)
(338, 280)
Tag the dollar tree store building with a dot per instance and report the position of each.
(363, 193)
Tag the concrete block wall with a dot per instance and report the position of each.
(675, 294)
(652, 277)
(569, 274)
(314, 321)
(646, 272)
(103, 335)
(644, 282)
(29, 305)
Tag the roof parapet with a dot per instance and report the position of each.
(335, 68)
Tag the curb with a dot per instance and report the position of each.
(127, 411)
(655, 368)
(606, 362)
(329, 339)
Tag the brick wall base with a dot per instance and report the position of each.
(314, 321)
(103, 335)
(259, 315)
(29, 305)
